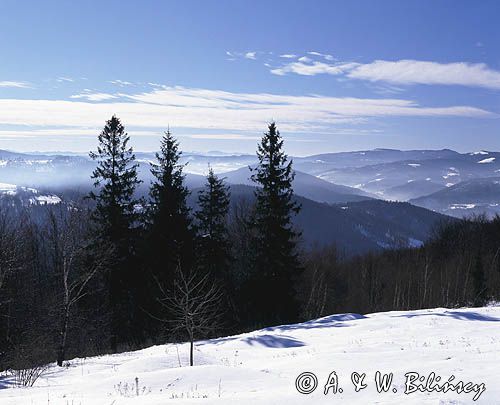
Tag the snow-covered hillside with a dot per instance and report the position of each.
(261, 367)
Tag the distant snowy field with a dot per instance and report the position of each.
(261, 367)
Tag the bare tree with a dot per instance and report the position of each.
(9, 248)
(67, 235)
(10, 263)
(194, 306)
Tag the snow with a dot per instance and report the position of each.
(481, 152)
(47, 199)
(261, 367)
(414, 164)
(415, 242)
(487, 160)
(462, 206)
(12, 189)
(8, 189)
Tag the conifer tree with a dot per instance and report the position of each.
(169, 222)
(115, 219)
(213, 243)
(276, 262)
(116, 178)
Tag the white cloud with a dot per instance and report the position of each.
(400, 72)
(250, 55)
(423, 72)
(94, 96)
(121, 83)
(20, 85)
(288, 56)
(204, 109)
(65, 79)
(323, 55)
(304, 59)
(312, 69)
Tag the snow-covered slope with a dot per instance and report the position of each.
(261, 367)
(467, 198)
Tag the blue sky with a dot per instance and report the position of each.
(335, 75)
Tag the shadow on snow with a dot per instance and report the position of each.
(274, 341)
(281, 341)
(461, 315)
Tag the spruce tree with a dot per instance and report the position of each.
(169, 223)
(276, 261)
(114, 217)
(213, 243)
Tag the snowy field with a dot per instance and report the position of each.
(262, 367)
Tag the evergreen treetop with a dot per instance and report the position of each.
(168, 193)
(116, 175)
(213, 243)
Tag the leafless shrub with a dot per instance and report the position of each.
(28, 376)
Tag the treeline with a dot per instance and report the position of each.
(458, 266)
(116, 272)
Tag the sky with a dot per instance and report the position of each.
(334, 75)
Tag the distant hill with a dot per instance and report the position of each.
(412, 189)
(306, 185)
(317, 164)
(356, 227)
(329, 177)
(445, 171)
(466, 198)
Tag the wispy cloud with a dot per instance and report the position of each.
(401, 72)
(65, 79)
(306, 67)
(241, 55)
(121, 83)
(94, 96)
(19, 85)
(323, 55)
(288, 56)
(424, 72)
(217, 110)
(305, 59)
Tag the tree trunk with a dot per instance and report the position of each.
(63, 334)
(191, 348)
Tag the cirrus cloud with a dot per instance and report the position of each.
(402, 72)
(14, 84)
(217, 110)
(425, 72)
